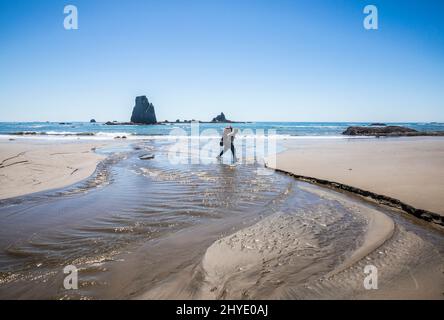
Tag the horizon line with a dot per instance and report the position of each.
(234, 122)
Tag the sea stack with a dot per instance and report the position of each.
(220, 118)
(143, 111)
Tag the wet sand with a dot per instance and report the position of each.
(408, 169)
(104, 223)
(209, 232)
(277, 258)
(28, 166)
(306, 250)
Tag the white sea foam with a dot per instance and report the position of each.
(113, 135)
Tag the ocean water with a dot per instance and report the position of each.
(102, 131)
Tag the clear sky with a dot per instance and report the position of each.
(259, 60)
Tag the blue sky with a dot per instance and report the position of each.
(259, 60)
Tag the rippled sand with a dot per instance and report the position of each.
(152, 229)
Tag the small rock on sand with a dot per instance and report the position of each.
(147, 157)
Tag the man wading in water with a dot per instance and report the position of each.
(227, 142)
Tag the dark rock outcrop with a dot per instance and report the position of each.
(393, 131)
(220, 118)
(147, 157)
(377, 131)
(143, 112)
(378, 124)
(116, 123)
(382, 199)
(92, 120)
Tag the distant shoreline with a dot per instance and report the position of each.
(116, 123)
(370, 123)
(280, 130)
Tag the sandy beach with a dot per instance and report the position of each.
(407, 169)
(28, 166)
(218, 231)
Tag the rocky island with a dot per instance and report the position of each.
(220, 118)
(144, 114)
